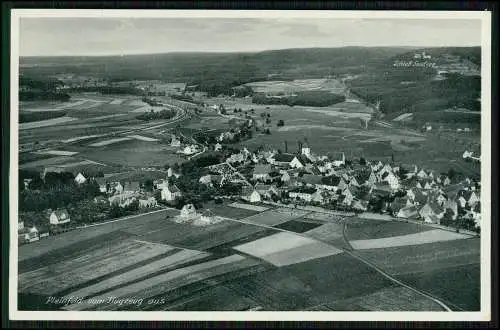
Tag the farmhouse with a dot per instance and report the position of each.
(103, 185)
(170, 173)
(170, 193)
(175, 142)
(452, 205)
(305, 193)
(207, 217)
(28, 235)
(80, 179)
(251, 195)
(59, 217)
(391, 179)
(261, 172)
(285, 160)
(469, 196)
(311, 180)
(116, 187)
(408, 212)
(188, 211)
(431, 213)
(148, 202)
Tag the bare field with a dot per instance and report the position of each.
(272, 217)
(388, 299)
(60, 276)
(360, 229)
(136, 153)
(430, 236)
(425, 257)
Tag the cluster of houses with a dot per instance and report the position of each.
(190, 214)
(33, 234)
(187, 150)
(327, 180)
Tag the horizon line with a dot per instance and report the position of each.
(242, 52)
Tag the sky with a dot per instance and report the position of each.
(120, 36)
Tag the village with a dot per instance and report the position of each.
(301, 179)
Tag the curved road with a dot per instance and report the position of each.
(350, 252)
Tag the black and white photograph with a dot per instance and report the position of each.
(250, 165)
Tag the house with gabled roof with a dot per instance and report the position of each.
(261, 172)
(408, 212)
(347, 197)
(330, 182)
(303, 193)
(431, 212)
(422, 174)
(311, 180)
(250, 194)
(470, 197)
(398, 203)
(59, 217)
(80, 178)
(452, 205)
(170, 193)
(391, 179)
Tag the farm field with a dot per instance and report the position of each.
(192, 267)
(228, 211)
(284, 249)
(358, 228)
(135, 153)
(277, 86)
(275, 216)
(54, 278)
(298, 226)
(430, 236)
(443, 269)
(387, 299)
(249, 207)
(48, 122)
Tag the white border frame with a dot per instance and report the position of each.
(483, 315)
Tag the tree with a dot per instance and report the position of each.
(280, 123)
(447, 219)
(267, 131)
(362, 161)
(148, 185)
(268, 115)
(268, 121)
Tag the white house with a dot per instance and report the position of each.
(218, 146)
(148, 202)
(20, 225)
(190, 149)
(421, 174)
(296, 163)
(303, 195)
(59, 217)
(80, 179)
(467, 154)
(338, 159)
(261, 172)
(251, 195)
(188, 211)
(392, 180)
(170, 193)
(175, 142)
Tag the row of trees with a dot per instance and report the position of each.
(155, 115)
